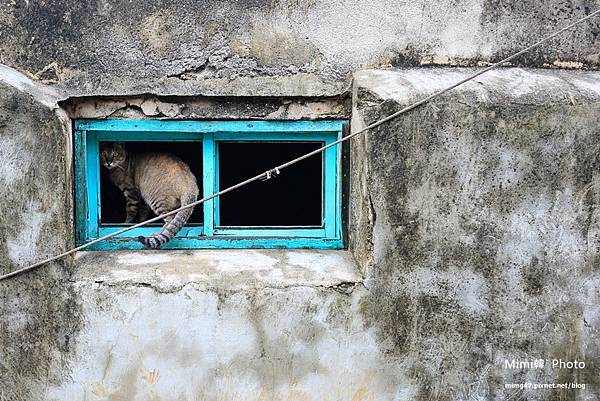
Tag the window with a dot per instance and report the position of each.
(300, 208)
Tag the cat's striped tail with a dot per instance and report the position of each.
(170, 229)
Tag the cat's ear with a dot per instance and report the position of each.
(119, 146)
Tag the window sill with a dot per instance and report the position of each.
(231, 269)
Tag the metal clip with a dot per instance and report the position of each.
(271, 174)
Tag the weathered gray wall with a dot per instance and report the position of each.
(38, 311)
(223, 325)
(473, 219)
(273, 47)
(484, 226)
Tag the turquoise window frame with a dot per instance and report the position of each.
(89, 133)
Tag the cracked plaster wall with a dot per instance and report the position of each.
(295, 343)
(473, 220)
(223, 325)
(435, 314)
(476, 221)
(39, 313)
(274, 47)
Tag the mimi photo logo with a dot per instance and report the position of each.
(541, 363)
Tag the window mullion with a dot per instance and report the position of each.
(208, 182)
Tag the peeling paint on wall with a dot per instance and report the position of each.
(207, 108)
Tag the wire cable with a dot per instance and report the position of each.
(276, 170)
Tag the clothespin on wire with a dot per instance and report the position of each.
(271, 174)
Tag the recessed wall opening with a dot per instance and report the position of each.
(112, 200)
(293, 198)
(299, 208)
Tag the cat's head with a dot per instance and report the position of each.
(113, 155)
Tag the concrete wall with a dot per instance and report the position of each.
(474, 229)
(222, 325)
(482, 209)
(274, 47)
(473, 224)
(39, 313)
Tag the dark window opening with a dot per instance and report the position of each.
(112, 200)
(293, 198)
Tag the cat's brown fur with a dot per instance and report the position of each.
(161, 181)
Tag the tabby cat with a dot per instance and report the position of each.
(161, 181)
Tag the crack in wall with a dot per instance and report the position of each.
(199, 69)
(343, 287)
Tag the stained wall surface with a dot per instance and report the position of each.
(473, 226)
(39, 314)
(481, 237)
(275, 47)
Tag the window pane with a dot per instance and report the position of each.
(112, 200)
(293, 198)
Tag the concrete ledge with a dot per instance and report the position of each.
(533, 86)
(46, 95)
(230, 270)
(302, 84)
